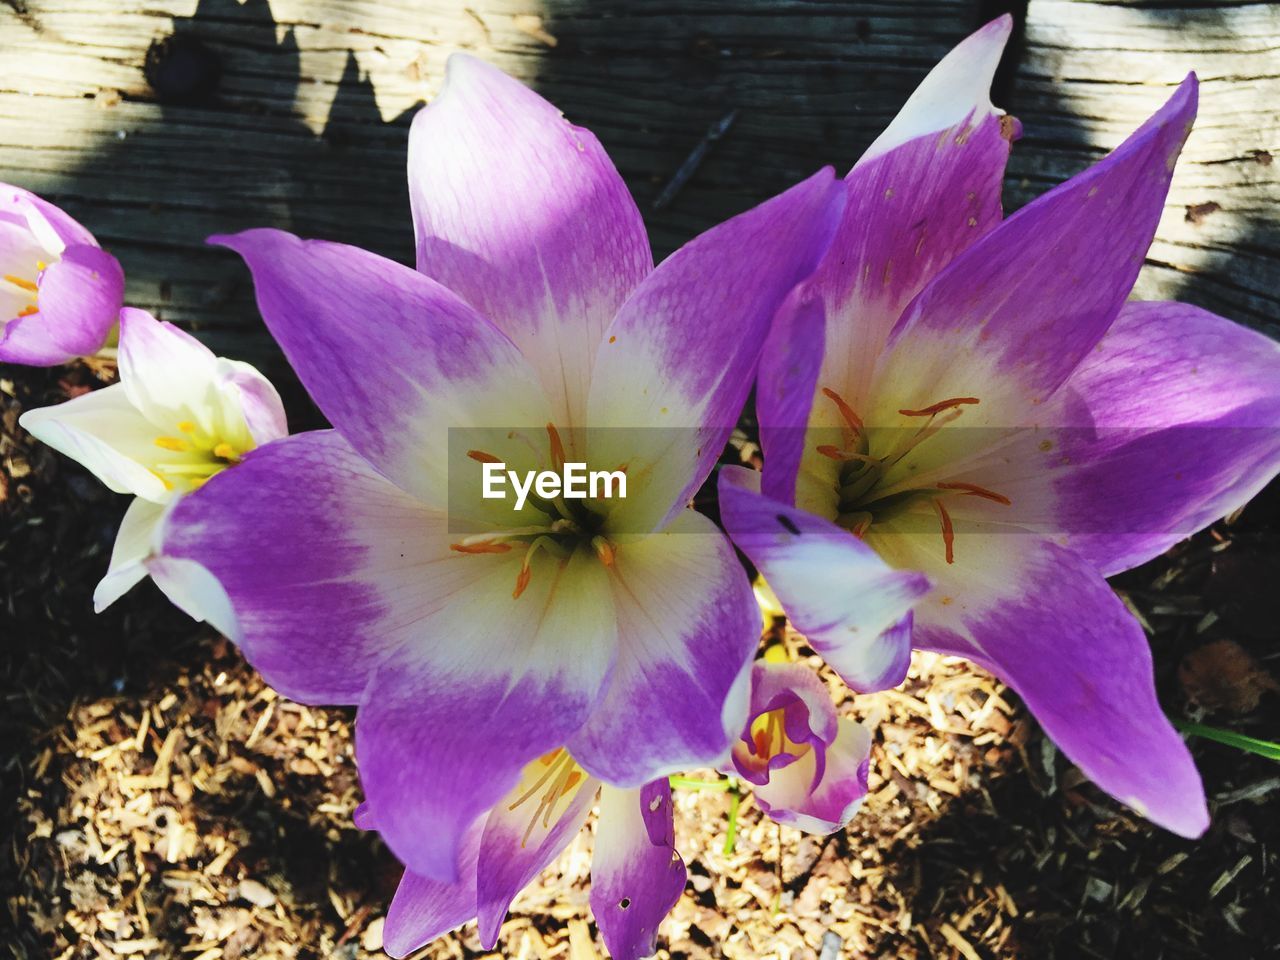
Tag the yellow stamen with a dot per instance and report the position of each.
(605, 550)
(20, 282)
(40, 265)
(225, 451)
(176, 444)
(28, 311)
(186, 426)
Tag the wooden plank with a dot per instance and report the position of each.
(308, 127)
(1093, 71)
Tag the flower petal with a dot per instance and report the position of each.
(687, 625)
(393, 359)
(424, 909)
(259, 402)
(790, 796)
(195, 591)
(1046, 623)
(521, 838)
(78, 300)
(524, 216)
(107, 435)
(924, 191)
(308, 541)
(1172, 421)
(1027, 302)
(53, 227)
(682, 352)
(835, 589)
(132, 547)
(636, 874)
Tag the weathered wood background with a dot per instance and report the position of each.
(160, 122)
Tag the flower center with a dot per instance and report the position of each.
(29, 288)
(555, 776)
(199, 457)
(568, 525)
(867, 497)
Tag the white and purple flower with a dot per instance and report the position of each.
(976, 402)
(60, 292)
(364, 567)
(178, 417)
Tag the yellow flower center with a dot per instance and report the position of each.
(200, 456)
(556, 777)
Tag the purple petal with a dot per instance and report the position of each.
(1046, 623)
(636, 874)
(1171, 422)
(79, 298)
(1027, 302)
(791, 797)
(517, 846)
(525, 217)
(424, 909)
(928, 188)
(392, 358)
(48, 222)
(687, 625)
(808, 719)
(834, 588)
(683, 350)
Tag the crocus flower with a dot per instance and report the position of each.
(59, 291)
(636, 875)
(1102, 432)
(178, 416)
(363, 565)
(807, 765)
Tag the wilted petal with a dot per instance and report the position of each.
(132, 547)
(1172, 421)
(834, 588)
(105, 433)
(1027, 302)
(1045, 622)
(525, 217)
(393, 359)
(687, 623)
(682, 353)
(636, 874)
(526, 831)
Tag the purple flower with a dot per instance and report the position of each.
(636, 875)
(807, 765)
(363, 564)
(1099, 432)
(178, 416)
(59, 292)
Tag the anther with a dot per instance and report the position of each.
(846, 411)
(977, 491)
(480, 547)
(20, 282)
(28, 310)
(604, 550)
(224, 451)
(948, 531)
(176, 444)
(479, 456)
(557, 446)
(936, 408)
(186, 426)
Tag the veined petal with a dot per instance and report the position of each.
(1026, 303)
(636, 874)
(791, 797)
(682, 352)
(77, 303)
(1172, 421)
(1046, 623)
(132, 547)
(524, 216)
(687, 623)
(310, 544)
(834, 588)
(393, 359)
(526, 831)
(107, 435)
(424, 909)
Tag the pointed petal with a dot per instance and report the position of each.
(132, 547)
(195, 591)
(925, 190)
(835, 589)
(687, 624)
(424, 909)
(636, 874)
(1046, 623)
(682, 353)
(393, 359)
(79, 298)
(1026, 303)
(1170, 423)
(522, 838)
(107, 435)
(524, 216)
